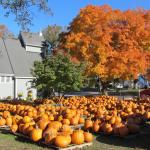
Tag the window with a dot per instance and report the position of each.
(2, 79)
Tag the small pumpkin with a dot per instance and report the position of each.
(66, 121)
(88, 137)
(2, 121)
(96, 126)
(88, 124)
(14, 128)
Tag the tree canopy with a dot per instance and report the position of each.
(51, 35)
(115, 43)
(4, 31)
(23, 10)
(57, 73)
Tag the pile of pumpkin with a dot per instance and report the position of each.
(42, 128)
(52, 123)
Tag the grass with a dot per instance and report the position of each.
(11, 142)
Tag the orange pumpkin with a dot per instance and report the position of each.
(96, 126)
(42, 124)
(88, 124)
(14, 128)
(88, 137)
(36, 134)
(2, 121)
(8, 121)
(77, 137)
(66, 121)
(61, 141)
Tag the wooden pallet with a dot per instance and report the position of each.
(70, 147)
(4, 127)
(79, 126)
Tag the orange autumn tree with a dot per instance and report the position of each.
(114, 43)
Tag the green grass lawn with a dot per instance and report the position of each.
(11, 142)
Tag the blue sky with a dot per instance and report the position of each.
(65, 10)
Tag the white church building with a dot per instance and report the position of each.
(17, 56)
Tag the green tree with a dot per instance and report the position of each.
(51, 35)
(23, 10)
(58, 73)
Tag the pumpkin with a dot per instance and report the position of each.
(2, 121)
(81, 120)
(55, 124)
(6, 114)
(147, 115)
(61, 141)
(50, 135)
(118, 120)
(14, 128)
(88, 137)
(77, 137)
(66, 121)
(26, 119)
(51, 131)
(8, 121)
(88, 124)
(66, 128)
(24, 127)
(112, 120)
(29, 129)
(36, 134)
(42, 124)
(74, 121)
(96, 126)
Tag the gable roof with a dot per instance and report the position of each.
(5, 64)
(32, 39)
(21, 60)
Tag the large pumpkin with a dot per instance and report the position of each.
(61, 141)
(77, 137)
(50, 135)
(36, 134)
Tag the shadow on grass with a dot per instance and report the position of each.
(23, 139)
(140, 141)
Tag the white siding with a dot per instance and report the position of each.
(33, 49)
(6, 87)
(23, 85)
